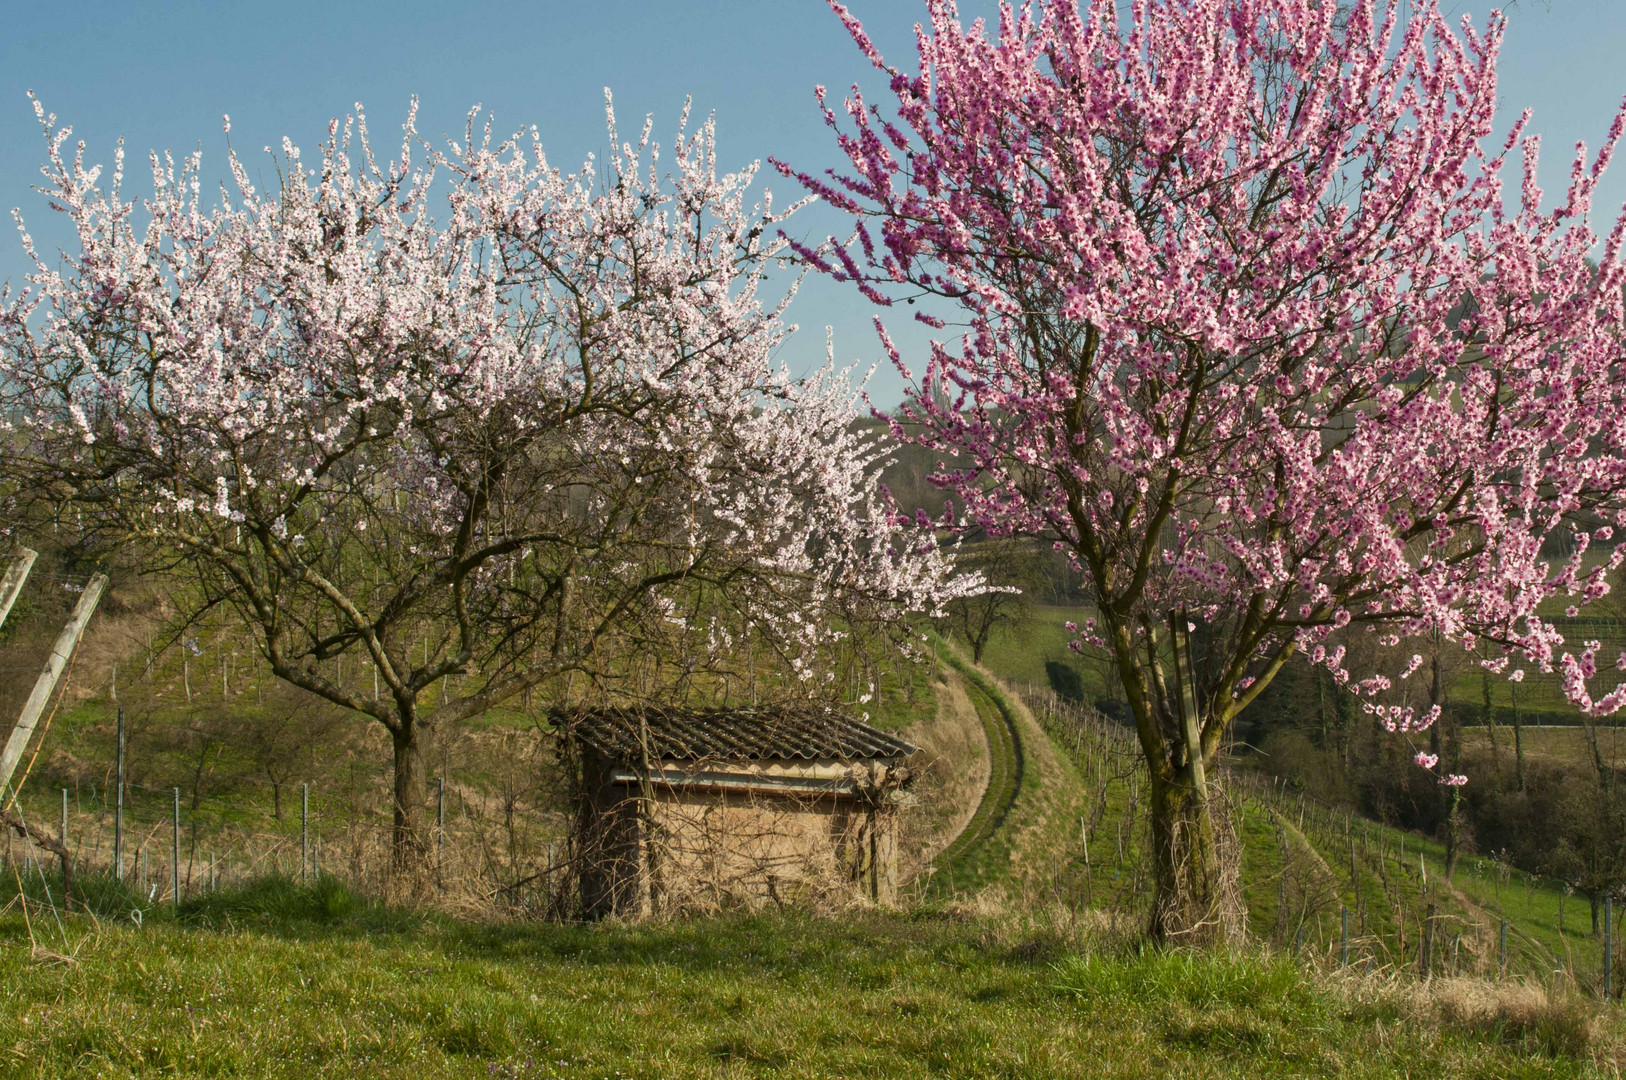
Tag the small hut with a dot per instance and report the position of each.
(683, 808)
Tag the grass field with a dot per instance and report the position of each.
(277, 981)
(1019, 656)
(1552, 744)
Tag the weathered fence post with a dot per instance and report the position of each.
(118, 803)
(1608, 944)
(175, 853)
(55, 663)
(304, 830)
(1343, 935)
(1504, 949)
(16, 575)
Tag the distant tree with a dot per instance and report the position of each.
(1013, 572)
(283, 732)
(1251, 333)
(475, 454)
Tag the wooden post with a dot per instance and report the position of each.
(304, 830)
(12, 584)
(1608, 944)
(175, 853)
(66, 642)
(118, 804)
(1185, 677)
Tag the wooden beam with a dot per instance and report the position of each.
(1185, 682)
(16, 574)
(66, 642)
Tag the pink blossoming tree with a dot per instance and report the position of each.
(1252, 333)
(472, 435)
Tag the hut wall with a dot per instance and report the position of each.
(736, 842)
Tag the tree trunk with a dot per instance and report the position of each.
(407, 847)
(1196, 900)
(1453, 833)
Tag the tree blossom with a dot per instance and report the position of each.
(1253, 332)
(454, 411)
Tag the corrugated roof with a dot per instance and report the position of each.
(805, 732)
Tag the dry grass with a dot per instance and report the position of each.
(1550, 1019)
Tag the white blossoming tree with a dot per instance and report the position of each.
(494, 428)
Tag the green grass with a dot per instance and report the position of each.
(274, 982)
(276, 979)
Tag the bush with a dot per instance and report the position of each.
(1065, 680)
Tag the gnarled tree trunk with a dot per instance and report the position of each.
(1196, 899)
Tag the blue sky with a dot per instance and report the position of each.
(161, 74)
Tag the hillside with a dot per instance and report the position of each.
(1318, 881)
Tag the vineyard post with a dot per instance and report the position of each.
(1608, 943)
(118, 803)
(16, 575)
(175, 852)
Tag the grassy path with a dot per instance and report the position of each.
(1022, 842)
(1006, 764)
